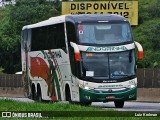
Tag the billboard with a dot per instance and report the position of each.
(128, 9)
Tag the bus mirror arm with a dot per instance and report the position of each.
(76, 51)
(140, 50)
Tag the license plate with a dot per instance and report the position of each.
(110, 97)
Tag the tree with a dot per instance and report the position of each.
(14, 18)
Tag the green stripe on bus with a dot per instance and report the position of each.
(54, 74)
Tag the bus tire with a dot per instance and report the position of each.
(34, 95)
(39, 94)
(86, 103)
(68, 94)
(119, 104)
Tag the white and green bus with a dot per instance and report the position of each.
(80, 58)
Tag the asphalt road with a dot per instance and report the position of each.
(128, 106)
(131, 106)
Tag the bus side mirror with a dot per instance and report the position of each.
(140, 50)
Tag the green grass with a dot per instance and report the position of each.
(10, 105)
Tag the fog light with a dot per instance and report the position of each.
(87, 97)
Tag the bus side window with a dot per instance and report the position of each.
(22, 39)
(25, 39)
(48, 37)
(52, 36)
(25, 35)
(71, 37)
(71, 32)
(61, 37)
(56, 37)
(39, 36)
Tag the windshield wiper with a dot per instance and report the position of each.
(121, 75)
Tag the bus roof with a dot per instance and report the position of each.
(76, 18)
(95, 17)
(50, 21)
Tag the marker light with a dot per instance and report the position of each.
(140, 50)
(77, 57)
(140, 55)
(89, 54)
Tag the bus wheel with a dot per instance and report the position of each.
(119, 104)
(86, 103)
(39, 94)
(68, 94)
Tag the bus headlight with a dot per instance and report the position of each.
(87, 88)
(131, 86)
(84, 87)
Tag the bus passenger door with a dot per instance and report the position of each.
(75, 73)
(75, 89)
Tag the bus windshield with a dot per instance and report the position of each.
(104, 33)
(108, 65)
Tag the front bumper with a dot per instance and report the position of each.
(91, 96)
